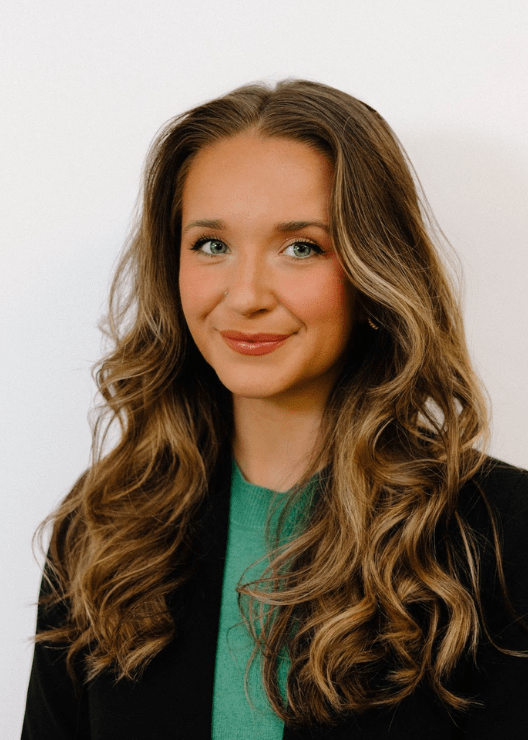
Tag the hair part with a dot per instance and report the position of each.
(359, 600)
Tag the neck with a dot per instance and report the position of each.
(273, 441)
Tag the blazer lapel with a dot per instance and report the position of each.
(173, 700)
(199, 632)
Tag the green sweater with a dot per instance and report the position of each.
(233, 716)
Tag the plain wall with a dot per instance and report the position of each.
(85, 87)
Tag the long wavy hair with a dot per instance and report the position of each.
(359, 598)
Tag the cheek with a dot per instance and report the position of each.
(196, 291)
(324, 299)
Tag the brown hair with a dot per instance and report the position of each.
(374, 609)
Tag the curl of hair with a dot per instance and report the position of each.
(358, 599)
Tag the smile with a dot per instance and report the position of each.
(246, 347)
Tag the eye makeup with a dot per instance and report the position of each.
(201, 240)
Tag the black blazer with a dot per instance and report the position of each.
(173, 699)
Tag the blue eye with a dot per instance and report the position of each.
(215, 244)
(302, 250)
(307, 249)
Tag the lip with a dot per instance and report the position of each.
(253, 344)
(239, 336)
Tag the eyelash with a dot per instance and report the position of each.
(201, 240)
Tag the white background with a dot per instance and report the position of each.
(84, 88)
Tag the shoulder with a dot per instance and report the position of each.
(498, 674)
(495, 505)
(501, 487)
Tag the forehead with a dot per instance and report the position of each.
(253, 172)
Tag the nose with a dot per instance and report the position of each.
(250, 286)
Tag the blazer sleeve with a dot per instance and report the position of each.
(501, 680)
(56, 705)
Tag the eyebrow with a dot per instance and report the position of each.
(283, 227)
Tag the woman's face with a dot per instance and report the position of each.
(255, 225)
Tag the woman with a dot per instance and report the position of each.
(298, 533)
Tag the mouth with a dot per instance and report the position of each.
(254, 344)
(260, 337)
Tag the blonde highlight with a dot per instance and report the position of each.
(359, 598)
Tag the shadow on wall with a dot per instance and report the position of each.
(477, 188)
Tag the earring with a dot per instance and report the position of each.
(226, 292)
(372, 324)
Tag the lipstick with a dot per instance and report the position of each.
(253, 344)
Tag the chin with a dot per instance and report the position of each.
(252, 387)
(253, 390)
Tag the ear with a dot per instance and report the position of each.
(361, 312)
